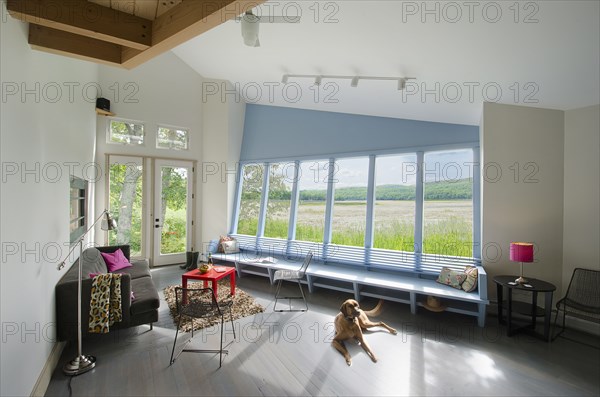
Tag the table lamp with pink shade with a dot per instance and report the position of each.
(521, 252)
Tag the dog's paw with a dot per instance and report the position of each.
(374, 359)
(349, 362)
(394, 332)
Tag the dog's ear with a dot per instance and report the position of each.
(344, 308)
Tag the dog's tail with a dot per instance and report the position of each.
(376, 310)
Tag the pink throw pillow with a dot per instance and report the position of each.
(115, 260)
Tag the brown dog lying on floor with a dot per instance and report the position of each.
(350, 323)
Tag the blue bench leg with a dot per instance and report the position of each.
(413, 303)
(481, 316)
(356, 292)
(309, 280)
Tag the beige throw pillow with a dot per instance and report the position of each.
(470, 284)
(451, 277)
(223, 239)
(230, 247)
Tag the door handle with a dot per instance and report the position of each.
(156, 226)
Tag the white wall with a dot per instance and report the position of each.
(530, 207)
(223, 131)
(44, 133)
(582, 191)
(163, 91)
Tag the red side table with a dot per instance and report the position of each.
(213, 276)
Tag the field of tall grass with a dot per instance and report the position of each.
(447, 225)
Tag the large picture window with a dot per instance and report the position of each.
(414, 202)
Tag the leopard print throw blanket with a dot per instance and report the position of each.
(105, 305)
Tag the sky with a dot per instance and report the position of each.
(394, 169)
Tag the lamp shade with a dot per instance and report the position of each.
(108, 223)
(521, 252)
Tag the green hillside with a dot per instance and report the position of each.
(445, 190)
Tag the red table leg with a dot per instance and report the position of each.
(232, 282)
(184, 281)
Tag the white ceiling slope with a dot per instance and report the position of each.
(539, 53)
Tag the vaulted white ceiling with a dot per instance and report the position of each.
(537, 53)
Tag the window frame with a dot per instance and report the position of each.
(172, 127)
(109, 132)
(369, 232)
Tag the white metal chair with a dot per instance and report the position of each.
(291, 275)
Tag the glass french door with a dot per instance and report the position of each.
(125, 196)
(172, 214)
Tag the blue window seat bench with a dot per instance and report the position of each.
(392, 275)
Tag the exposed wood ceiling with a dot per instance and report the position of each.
(123, 33)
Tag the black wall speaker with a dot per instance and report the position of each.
(103, 103)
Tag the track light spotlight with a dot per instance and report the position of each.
(354, 82)
(318, 80)
(285, 78)
(401, 84)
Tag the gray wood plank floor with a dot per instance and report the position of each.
(280, 354)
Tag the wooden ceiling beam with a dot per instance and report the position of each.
(91, 31)
(87, 19)
(185, 21)
(65, 43)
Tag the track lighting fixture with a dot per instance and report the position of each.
(318, 78)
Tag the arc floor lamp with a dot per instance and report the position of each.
(83, 363)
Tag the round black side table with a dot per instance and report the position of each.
(534, 286)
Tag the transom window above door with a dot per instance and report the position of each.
(125, 132)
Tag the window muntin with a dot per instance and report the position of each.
(251, 192)
(281, 182)
(125, 132)
(77, 207)
(312, 186)
(172, 138)
(394, 211)
(448, 204)
(351, 177)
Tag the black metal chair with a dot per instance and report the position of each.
(582, 299)
(201, 303)
(291, 275)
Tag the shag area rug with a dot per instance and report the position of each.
(243, 305)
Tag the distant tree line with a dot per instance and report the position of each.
(444, 190)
